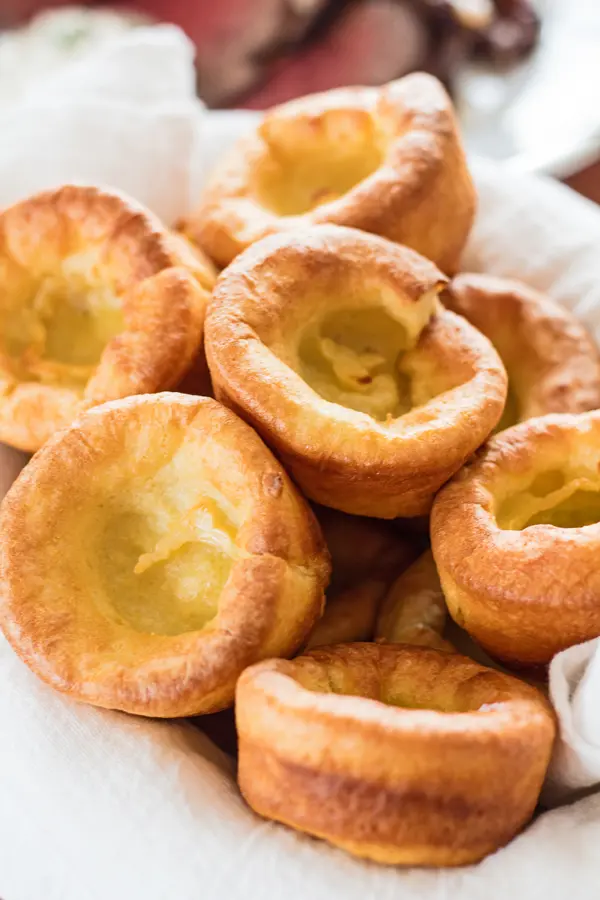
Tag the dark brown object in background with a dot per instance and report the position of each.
(512, 35)
(220, 728)
(587, 182)
(258, 53)
(371, 41)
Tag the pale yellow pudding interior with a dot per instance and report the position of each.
(295, 187)
(315, 160)
(553, 497)
(356, 358)
(163, 554)
(351, 358)
(54, 328)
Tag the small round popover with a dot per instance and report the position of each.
(516, 539)
(331, 342)
(153, 550)
(387, 160)
(97, 301)
(403, 755)
(414, 610)
(552, 362)
(366, 556)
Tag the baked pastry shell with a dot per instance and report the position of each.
(419, 193)
(364, 548)
(366, 556)
(396, 785)
(112, 243)
(341, 457)
(65, 627)
(552, 362)
(524, 595)
(414, 609)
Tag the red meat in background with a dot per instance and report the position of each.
(371, 43)
(234, 36)
(255, 53)
(14, 11)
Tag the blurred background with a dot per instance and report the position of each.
(525, 74)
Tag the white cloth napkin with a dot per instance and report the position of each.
(97, 805)
(127, 116)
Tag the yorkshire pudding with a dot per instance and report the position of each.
(361, 547)
(398, 754)
(552, 363)
(516, 539)
(414, 610)
(153, 550)
(386, 160)
(97, 301)
(332, 344)
(366, 555)
(350, 614)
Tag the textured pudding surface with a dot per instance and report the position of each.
(97, 301)
(366, 556)
(153, 550)
(352, 358)
(321, 167)
(164, 564)
(398, 754)
(384, 160)
(55, 328)
(363, 548)
(528, 511)
(332, 344)
(552, 362)
(414, 610)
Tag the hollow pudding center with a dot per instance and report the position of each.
(353, 358)
(54, 328)
(552, 498)
(315, 160)
(163, 570)
(405, 691)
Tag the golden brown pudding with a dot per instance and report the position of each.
(516, 536)
(414, 610)
(385, 160)
(403, 755)
(366, 555)
(97, 301)
(552, 363)
(350, 614)
(333, 345)
(152, 551)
